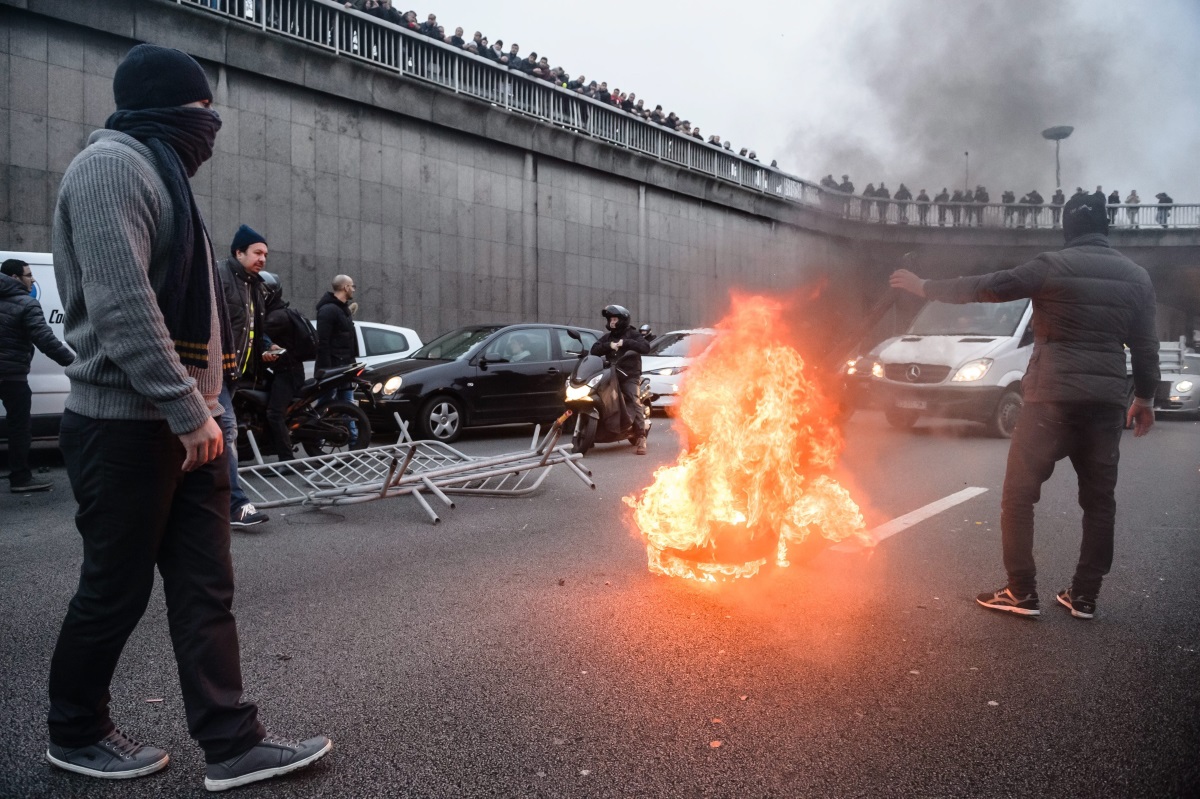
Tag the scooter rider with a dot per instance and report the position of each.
(620, 339)
(647, 333)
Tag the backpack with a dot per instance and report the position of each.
(288, 328)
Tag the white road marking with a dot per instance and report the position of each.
(889, 529)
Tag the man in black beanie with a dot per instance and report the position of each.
(1089, 302)
(144, 453)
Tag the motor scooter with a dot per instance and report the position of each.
(594, 396)
(321, 428)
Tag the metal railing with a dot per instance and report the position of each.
(366, 38)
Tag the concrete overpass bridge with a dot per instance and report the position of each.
(456, 191)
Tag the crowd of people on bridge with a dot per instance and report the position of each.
(965, 208)
(539, 67)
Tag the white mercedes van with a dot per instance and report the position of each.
(957, 362)
(47, 380)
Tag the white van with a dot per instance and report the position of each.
(958, 362)
(47, 381)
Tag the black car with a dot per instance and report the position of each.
(478, 375)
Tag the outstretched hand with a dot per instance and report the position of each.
(907, 281)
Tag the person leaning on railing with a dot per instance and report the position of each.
(1132, 212)
(1164, 207)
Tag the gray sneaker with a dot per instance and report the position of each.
(248, 516)
(114, 757)
(272, 757)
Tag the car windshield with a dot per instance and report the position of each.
(973, 318)
(681, 345)
(455, 344)
(1191, 365)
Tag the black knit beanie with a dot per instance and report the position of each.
(245, 237)
(1083, 214)
(158, 77)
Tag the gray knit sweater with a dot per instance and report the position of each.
(112, 231)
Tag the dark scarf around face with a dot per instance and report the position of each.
(181, 139)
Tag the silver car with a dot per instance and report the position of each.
(670, 356)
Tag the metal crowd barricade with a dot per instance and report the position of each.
(419, 469)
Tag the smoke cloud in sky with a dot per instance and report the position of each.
(897, 90)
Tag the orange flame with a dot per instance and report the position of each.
(754, 479)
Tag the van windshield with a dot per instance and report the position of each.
(972, 318)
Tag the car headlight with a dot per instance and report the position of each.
(375, 389)
(1183, 386)
(972, 370)
(392, 385)
(852, 367)
(667, 371)
(877, 369)
(578, 393)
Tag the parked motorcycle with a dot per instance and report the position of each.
(321, 428)
(594, 395)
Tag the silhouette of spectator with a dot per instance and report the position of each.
(968, 206)
(865, 209)
(1164, 207)
(882, 201)
(982, 198)
(1114, 200)
(1056, 204)
(1035, 200)
(956, 200)
(846, 188)
(1132, 212)
(922, 207)
(941, 199)
(1009, 198)
(1078, 191)
(903, 197)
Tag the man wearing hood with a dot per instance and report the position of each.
(143, 450)
(1089, 303)
(22, 327)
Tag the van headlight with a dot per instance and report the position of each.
(972, 370)
(391, 386)
(667, 371)
(1183, 386)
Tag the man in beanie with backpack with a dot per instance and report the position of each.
(144, 453)
(1089, 302)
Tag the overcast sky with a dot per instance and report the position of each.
(898, 90)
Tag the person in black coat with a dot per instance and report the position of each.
(22, 327)
(337, 344)
(941, 199)
(624, 341)
(287, 370)
(1089, 303)
(903, 197)
(1114, 200)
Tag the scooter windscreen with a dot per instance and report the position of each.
(588, 367)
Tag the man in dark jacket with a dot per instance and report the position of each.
(1089, 303)
(623, 339)
(287, 370)
(337, 343)
(22, 327)
(941, 199)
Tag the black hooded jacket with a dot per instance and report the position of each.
(23, 326)
(337, 344)
(630, 368)
(1089, 302)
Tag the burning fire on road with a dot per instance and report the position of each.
(754, 478)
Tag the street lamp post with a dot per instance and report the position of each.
(1056, 134)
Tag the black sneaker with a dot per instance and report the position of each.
(114, 757)
(1006, 600)
(1081, 607)
(29, 487)
(248, 516)
(272, 757)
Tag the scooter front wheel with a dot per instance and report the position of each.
(585, 434)
(336, 427)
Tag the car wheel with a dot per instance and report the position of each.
(442, 419)
(901, 418)
(1004, 418)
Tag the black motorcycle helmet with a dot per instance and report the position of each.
(645, 330)
(619, 311)
(272, 291)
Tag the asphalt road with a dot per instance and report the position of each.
(521, 648)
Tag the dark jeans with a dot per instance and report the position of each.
(17, 399)
(283, 387)
(138, 510)
(1090, 435)
(634, 408)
